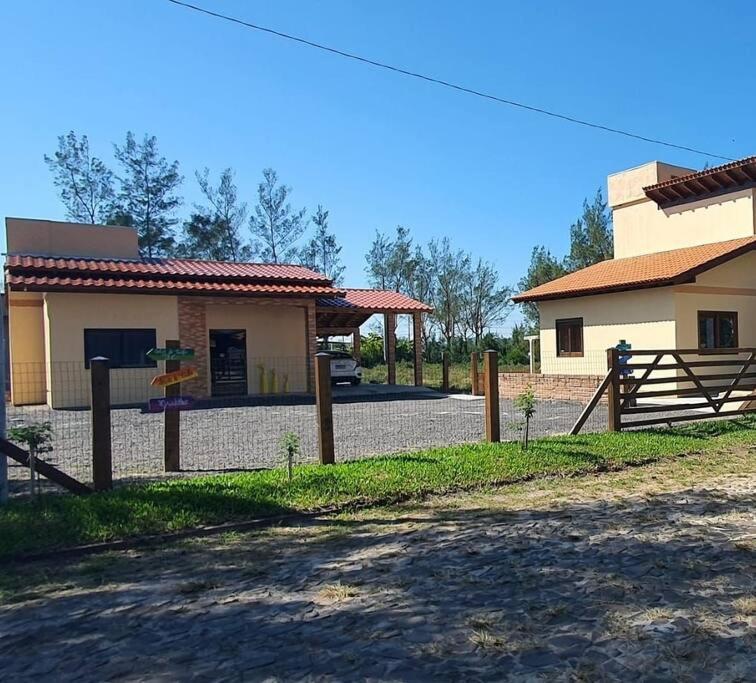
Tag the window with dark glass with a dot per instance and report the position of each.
(569, 335)
(717, 329)
(126, 348)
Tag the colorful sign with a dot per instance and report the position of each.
(170, 354)
(624, 358)
(159, 405)
(168, 378)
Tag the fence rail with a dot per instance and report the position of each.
(716, 383)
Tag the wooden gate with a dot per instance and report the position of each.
(662, 386)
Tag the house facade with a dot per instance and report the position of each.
(77, 291)
(683, 275)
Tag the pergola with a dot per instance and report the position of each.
(343, 316)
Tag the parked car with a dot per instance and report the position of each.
(344, 368)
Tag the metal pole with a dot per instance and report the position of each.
(3, 457)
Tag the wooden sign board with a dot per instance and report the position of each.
(170, 354)
(167, 403)
(168, 378)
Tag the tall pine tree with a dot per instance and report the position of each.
(322, 252)
(147, 198)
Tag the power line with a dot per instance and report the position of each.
(446, 84)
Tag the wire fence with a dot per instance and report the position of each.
(231, 433)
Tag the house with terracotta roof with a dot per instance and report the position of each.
(78, 291)
(683, 274)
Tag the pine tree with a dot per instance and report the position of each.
(147, 198)
(322, 252)
(84, 182)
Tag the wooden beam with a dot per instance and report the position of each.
(357, 344)
(324, 402)
(613, 367)
(47, 470)
(389, 322)
(591, 404)
(417, 343)
(172, 427)
(491, 386)
(102, 456)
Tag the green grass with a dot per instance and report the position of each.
(56, 521)
(459, 374)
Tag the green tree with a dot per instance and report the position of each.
(543, 268)
(401, 263)
(275, 226)
(322, 252)
(451, 267)
(147, 198)
(225, 215)
(84, 182)
(379, 259)
(485, 302)
(591, 239)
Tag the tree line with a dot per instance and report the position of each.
(466, 292)
(143, 192)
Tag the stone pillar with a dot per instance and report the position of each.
(193, 334)
(389, 327)
(356, 344)
(417, 343)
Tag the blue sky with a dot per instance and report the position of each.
(375, 148)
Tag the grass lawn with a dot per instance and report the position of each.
(62, 520)
(459, 374)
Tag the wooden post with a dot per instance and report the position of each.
(445, 372)
(324, 403)
(102, 457)
(172, 440)
(474, 373)
(357, 345)
(614, 423)
(389, 320)
(417, 343)
(491, 388)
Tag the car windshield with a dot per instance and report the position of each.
(340, 355)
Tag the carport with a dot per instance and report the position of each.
(344, 315)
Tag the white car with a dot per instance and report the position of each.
(344, 368)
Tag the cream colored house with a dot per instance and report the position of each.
(683, 276)
(79, 291)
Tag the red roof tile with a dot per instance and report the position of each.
(376, 300)
(639, 272)
(167, 267)
(46, 283)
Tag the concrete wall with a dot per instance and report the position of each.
(66, 317)
(645, 318)
(641, 227)
(54, 238)
(26, 346)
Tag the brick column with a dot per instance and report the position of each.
(193, 334)
(312, 344)
(389, 327)
(417, 342)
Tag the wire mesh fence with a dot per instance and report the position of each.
(229, 433)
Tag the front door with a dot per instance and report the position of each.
(228, 362)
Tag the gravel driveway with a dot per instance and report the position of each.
(642, 575)
(248, 436)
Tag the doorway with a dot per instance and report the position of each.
(228, 362)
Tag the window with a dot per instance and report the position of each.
(569, 337)
(717, 330)
(124, 348)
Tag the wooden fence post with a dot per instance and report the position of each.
(324, 403)
(172, 430)
(491, 388)
(445, 372)
(474, 374)
(102, 457)
(613, 393)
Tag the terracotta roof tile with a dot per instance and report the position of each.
(376, 300)
(79, 283)
(639, 272)
(167, 267)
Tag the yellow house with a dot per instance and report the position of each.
(77, 291)
(683, 275)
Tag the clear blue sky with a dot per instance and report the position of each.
(375, 148)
